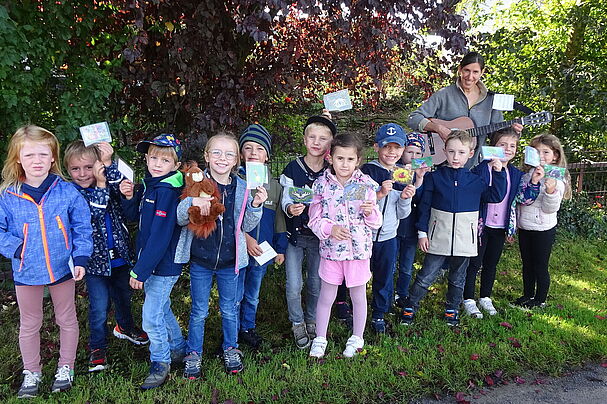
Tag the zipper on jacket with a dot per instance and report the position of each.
(433, 228)
(45, 242)
(453, 225)
(25, 228)
(472, 231)
(220, 242)
(62, 228)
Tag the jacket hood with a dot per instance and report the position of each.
(174, 179)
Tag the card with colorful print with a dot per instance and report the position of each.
(489, 152)
(556, 172)
(95, 133)
(423, 162)
(355, 192)
(403, 175)
(300, 195)
(532, 156)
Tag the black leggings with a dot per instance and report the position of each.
(536, 247)
(489, 252)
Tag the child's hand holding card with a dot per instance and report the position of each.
(491, 152)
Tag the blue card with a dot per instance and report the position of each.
(489, 152)
(338, 101)
(532, 156)
(556, 172)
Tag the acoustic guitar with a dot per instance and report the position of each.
(435, 145)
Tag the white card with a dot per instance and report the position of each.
(338, 101)
(503, 102)
(95, 133)
(257, 174)
(126, 170)
(267, 255)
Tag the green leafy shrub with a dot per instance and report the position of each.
(584, 216)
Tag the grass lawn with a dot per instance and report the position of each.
(427, 358)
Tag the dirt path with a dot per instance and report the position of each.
(587, 385)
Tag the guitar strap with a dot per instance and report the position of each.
(518, 106)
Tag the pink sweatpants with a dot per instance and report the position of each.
(29, 299)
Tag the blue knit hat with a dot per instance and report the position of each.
(163, 140)
(258, 134)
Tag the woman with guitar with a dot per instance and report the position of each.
(467, 97)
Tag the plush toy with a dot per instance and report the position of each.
(197, 185)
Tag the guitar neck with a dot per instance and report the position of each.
(485, 130)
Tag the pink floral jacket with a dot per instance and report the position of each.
(334, 204)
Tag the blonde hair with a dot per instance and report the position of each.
(555, 145)
(12, 172)
(77, 149)
(225, 135)
(163, 151)
(317, 125)
(460, 135)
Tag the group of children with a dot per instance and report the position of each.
(358, 224)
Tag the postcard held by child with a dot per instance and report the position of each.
(402, 175)
(257, 174)
(423, 162)
(300, 195)
(338, 101)
(126, 170)
(532, 156)
(95, 133)
(355, 192)
(267, 255)
(489, 152)
(556, 172)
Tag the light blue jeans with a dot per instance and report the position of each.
(294, 257)
(159, 322)
(201, 281)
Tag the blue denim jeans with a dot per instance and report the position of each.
(102, 290)
(201, 281)
(249, 283)
(294, 257)
(407, 250)
(158, 319)
(383, 263)
(428, 274)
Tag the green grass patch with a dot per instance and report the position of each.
(427, 358)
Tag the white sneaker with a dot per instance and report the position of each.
(487, 305)
(353, 345)
(319, 345)
(471, 309)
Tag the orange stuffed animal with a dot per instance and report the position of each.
(197, 185)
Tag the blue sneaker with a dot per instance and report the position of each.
(378, 325)
(452, 318)
(407, 316)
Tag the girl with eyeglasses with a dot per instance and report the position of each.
(221, 255)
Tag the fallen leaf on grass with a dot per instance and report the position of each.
(286, 366)
(489, 380)
(498, 373)
(505, 324)
(437, 396)
(214, 396)
(400, 348)
(402, 373)
(514, 342)
(492, 345)
(440, 348)
(519, 380)
(538, 382)
(325, 385)
(560, 306)
(604, 365)
(600, 317)
(471, 385)
(474, 357)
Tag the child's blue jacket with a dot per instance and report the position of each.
(51, 233)
(156, 207)
(102, 201)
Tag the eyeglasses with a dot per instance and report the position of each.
(228, 155)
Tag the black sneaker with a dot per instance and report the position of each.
(192, 368)
(344, 313)
(522, 301)
(407, 316)
(378, 325)
(159, 371)
(29, 387)
(533, 304)
(232, 360)
(97, 360)
(452, 318)
(136, 335)
(400, 303)
(250, 337)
